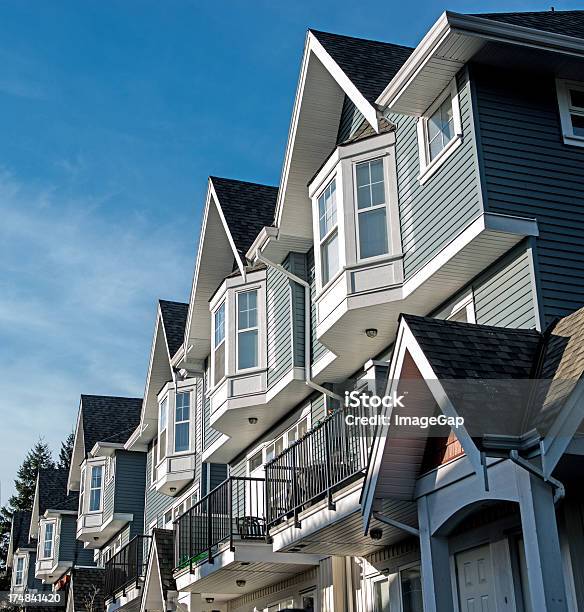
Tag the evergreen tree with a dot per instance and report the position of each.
(66, 452)
(37, 458)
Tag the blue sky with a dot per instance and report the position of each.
(112, 115)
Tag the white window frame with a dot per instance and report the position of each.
(43, 541)
(19, 582)
(255, 328)
(82, 490)
(163, 448)
(222, 304)
(566, 109)
(154, 462)
(465, 303)
(188, 421)
(387, 196)
(429, 167)
(90, 488)
(284, 438)
(329, 234)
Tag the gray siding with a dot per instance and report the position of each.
(351, 120)
(298, 266)
(108, 499)
(156, 503)
(433, 214)
(530, 172)
(130, 483)
(279, 324)
(505, 298)
(212, 475)
(71, 549)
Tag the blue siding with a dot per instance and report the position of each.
(530, 172)
(156, 503)
(298, 266)
(71, 549)
(212, 475)
(433, 214)
(351, 120)
(130, 483)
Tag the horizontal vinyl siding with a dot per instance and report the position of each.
(279, 324)
(433, 214)
(530, 172)
(108, 499)
(298, 266)
(71, 549)
(156, 503)
(317, 349)
(210, 435)
(130, 481)
(351, 119)
(506, 298)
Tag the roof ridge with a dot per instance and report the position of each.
(241, 181)
(548, 12)
(161, 301)
(123, 397)
(370, 40)
(469, 325)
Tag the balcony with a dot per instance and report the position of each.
(313, 490)
(222, 540)
(174, 472)
(127, 568)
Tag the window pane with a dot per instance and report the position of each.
(48, 541)
(255, 462)
(372, 233)
(411, 587)
(247, 353)
(434, 124)
(330, 258)
(364, 196)
(370, 191)
(578, 125)
(219, 365)
(577, 97)
(327, 209)
(95, 500)
(163, 414)
(381, 595)
(440, 128)
(181, 437)
(376, 171)
(377, 194)
(220, 324)
(363, 178)
(435, 147)
(247, 313)
(96, 477)
(183, 407)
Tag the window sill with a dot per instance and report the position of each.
(430, 170)
(573, 141)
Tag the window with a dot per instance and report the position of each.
(281, 605)
(308, 600)
(255, 461)
(19, 573)
(162, 425)
(438, 131)
(381, 595)
(153, 456)
(247, 330)
(329, 241)
(48, 540)
(461, 310)
(571, 103)
(219, 344)
(110, 468)
(82, 491)
(371, 209)
(411, 589)
(95, 488)
(182, 422)
(285, 440)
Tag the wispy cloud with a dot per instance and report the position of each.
(77, 304)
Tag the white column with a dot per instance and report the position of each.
(436, 583)
(542, 544)
(332, 583)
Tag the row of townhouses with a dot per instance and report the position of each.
(426, 242)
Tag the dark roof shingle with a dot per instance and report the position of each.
(369, 64)
(569, 23)
(53, 490)
(247, 207)
(20, 529)
(174, 317)
(109, 419)
(88, 587)
(165, 550)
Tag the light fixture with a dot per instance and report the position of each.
(209, 599)
(252, 420)
(173, 489)
(95, 538)
(385, 571)
(376, 533)
(240, 583)
(371, 332)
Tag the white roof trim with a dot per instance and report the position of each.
(406, 342)
(153, 570)
(312, 45)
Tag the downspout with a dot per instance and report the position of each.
(307, 339)
(560, 490)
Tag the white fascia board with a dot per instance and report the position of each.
(312, 45)
(152, 571)
(406, 342)
(34, 519)
(78, 450)
(266, 234)
(104, 449)
(476, 27)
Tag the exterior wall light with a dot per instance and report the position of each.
(371, 332)
(252, 420)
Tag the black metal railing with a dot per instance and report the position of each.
(127, 566)
(331, 455)
(235, 510)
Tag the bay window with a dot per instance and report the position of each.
(247, 330)
(48, 540)
(329, 236)
(95, 488)
(162, 425)
(219, 344)
(371, 209)
(19, 572)
(182, 422)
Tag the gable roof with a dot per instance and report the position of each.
(568, 23)
(165, 552)
(52, 490)
(88, 583)
(369, 64)
(159, 579)
(174, 318)
(108, 418)
(247, 208)
(20, 529)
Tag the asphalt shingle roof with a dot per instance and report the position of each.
(87, 583)
(247, 207)
(174, 317)
(20, 529)
(53, 490)
(569, 23)
(369, 64)
(165, 550)
(109, 419)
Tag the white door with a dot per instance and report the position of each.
(475, 580)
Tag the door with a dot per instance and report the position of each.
(475, 580)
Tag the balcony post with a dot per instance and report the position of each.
(190, 540)
(295, 487)
(329, 490)
(230, 513)
(209, 531)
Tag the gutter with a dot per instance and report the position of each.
(307, 339)
(560, 490)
